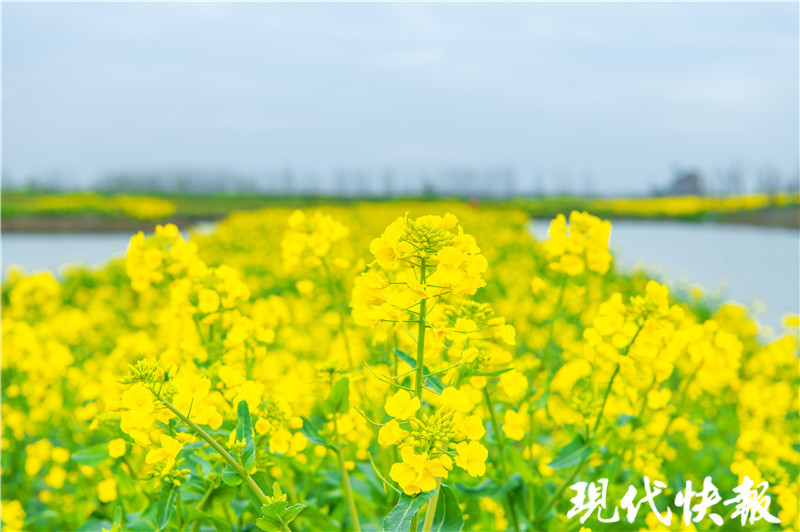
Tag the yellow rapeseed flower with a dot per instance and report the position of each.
(107, 490)
(402, 405)
(416, 472)
(117, 448)
(166, 453)
(207, 301)
(12, 514)
(472, 458)
(391, 433)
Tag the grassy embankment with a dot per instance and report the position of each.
(91, 211)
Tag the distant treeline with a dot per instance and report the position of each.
(498, 182)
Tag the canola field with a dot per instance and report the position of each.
(389, 366)
(21, 206)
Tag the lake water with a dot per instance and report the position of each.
(55, 251)
(756, 266)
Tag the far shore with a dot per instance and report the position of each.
(785, 217)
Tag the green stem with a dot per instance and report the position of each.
(351, 503)
(128, 465)
(423, 307)
(497, 434)
(590, 435)
(611, 382)
(200, 505)
(217, 447)
(501, 444)
(556, 310)
(531, 501)
(603, 406)
(679, 408)
(339, 304)
(229, 516)
(421, 325)
(627, 444)
(423, 310)
(431, 511)
(179, 510)
(560, 490)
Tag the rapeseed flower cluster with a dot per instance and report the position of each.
(430, 443)
(429, 257)
(309, 240)
(580, 246)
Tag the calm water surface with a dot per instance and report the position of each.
(57, 251)
(756, 266)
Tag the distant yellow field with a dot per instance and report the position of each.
(690, 205)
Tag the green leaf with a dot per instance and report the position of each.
(521, 466)
(432, 382)
(571, 454)
(244, 431)
(339, 400)
(313, 519)
(276, 516)
(490, 488)
(494, 373)
(613, 469)
(363, 488)
(448, 516)
(310, 431)
(541, 401)
(202, 466)
(405, 357)
(89, 526)
(269, 524)
(372, 479)
(118, 515)
(193, 489)
(624, 419)
(144, 520)
(165, 505)
(193, 514)
(292, 512)
(230, 476)
(399, 519)
(92, 456)
(378, 473)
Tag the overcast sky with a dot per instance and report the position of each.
(616, 95)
